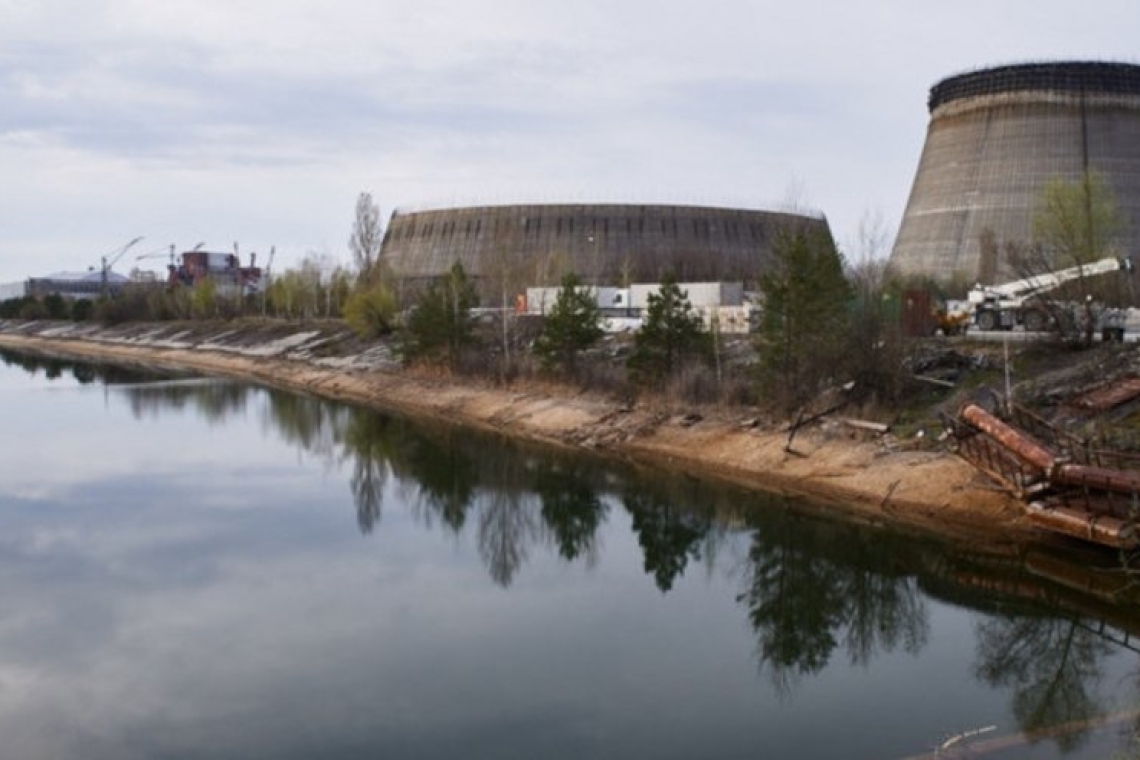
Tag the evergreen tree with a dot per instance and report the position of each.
(803, 336)
(572, 326)
(672, 332)
(441, 322)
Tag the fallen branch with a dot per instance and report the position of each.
(890, 492)
(875, 427)
(935, 381)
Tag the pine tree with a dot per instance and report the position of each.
(572, 326)
(441, 322)
(672, 332)
(803, 336)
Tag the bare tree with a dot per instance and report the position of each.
(366, 236)
(1078, 221)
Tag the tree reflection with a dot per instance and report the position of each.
(443, 475)
(571, 509)
(306, 421)
(795, 606)
(810, 585)
(367, 440)
(669, 534)
(506, 530)
(1051, 665)
(84, 372)
(214, 400)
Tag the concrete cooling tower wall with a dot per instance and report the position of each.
(996, 138)
(604, 244)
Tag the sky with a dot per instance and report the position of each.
(260, 122)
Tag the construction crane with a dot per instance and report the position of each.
(1001, 307)
(265, 280)
(163, 251)
(109, 260)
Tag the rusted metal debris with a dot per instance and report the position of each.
(1021, 446)
(1080, 498)
(1107, 397)
(1100, 529)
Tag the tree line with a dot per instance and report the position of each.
(824, 322)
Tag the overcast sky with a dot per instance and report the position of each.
(260, 121)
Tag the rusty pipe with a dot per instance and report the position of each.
(1026, 449)
(1100, 478)
(1107, 531)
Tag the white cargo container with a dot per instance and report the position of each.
(701, 295)
(609, 299)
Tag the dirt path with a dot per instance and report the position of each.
(932, 491)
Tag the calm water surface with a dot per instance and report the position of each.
(198, 568)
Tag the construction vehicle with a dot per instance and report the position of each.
(952, 317)
(1003, 307)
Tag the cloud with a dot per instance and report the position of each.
(207, 120)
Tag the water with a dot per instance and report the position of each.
(198, 568)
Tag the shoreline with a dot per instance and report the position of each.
(934, 492)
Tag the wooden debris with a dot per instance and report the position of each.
(874, 427)
(935, 381)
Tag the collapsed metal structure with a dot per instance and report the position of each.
(1068, 485)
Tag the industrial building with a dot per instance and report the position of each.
(224, 269)
(77, 285)
(996, 138)
(723, 304)
(602, 243)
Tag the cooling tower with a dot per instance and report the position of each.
(996, 138)
(603, 244)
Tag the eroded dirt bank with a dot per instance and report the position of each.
(931, 491)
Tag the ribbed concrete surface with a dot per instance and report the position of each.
(609, 242)
(995, 139)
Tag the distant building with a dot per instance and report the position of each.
(224, 269)
(76, 285)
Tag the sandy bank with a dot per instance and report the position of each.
(933, 491)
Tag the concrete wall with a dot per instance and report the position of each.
(995, 139)
(606, 243)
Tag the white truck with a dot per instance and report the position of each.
(1002, 307)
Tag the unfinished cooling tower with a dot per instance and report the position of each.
(996, 138)
(602, 243)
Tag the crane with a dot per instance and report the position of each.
(1003, 306)
(265, 281)
(109, 260)
(163, 251)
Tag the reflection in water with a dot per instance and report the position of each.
(365, 436)
(84, 373)
(670, 533)
(215, 400)
(1050, 664)
(808, 587)
(571, 508)
(812, 583)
